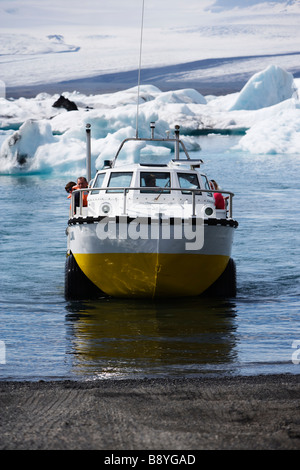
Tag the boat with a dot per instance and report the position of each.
(151, 228)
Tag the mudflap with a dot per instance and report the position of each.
(225, 285)
(77, 284)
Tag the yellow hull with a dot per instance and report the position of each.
(151, 274)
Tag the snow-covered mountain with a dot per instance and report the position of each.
(201, 41)
(275, 5)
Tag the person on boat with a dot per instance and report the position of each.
(219, 199)
(81, 184)
(150, 180)
(69, 188)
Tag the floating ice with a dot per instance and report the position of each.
(274, 136)
(181, 96)
(20, 149)
(266, 88)
(54, 139)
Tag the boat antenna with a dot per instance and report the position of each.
(139, 72)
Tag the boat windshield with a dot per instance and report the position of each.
(205, 183)
(98, 182)
(155, 179)
(188, 181)
(119, 180)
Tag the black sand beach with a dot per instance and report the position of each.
(238, 413)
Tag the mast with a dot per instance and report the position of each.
(88, 152)
(139, 72)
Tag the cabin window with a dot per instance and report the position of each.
(205, 184)
(119, 180)
(188, 181)
(98, 183)
(155, 181)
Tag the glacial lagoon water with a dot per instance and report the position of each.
(45, 337)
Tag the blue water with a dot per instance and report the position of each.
(45, 337)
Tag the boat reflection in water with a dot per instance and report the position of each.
(113, 338)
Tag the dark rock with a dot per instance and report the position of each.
(63, 102)
(22, 158)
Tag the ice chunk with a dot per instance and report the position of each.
(182, 96)
(274, 135)
(266, 88)
(19, 149)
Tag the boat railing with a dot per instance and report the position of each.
(177, 142)
(157, 190)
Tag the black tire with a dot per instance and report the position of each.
(225, 285)
(77, 285)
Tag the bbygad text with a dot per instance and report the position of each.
(151, 459)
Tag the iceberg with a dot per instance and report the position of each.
(266, 88)
(37, 137)
(20, 148)
(274, 136)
